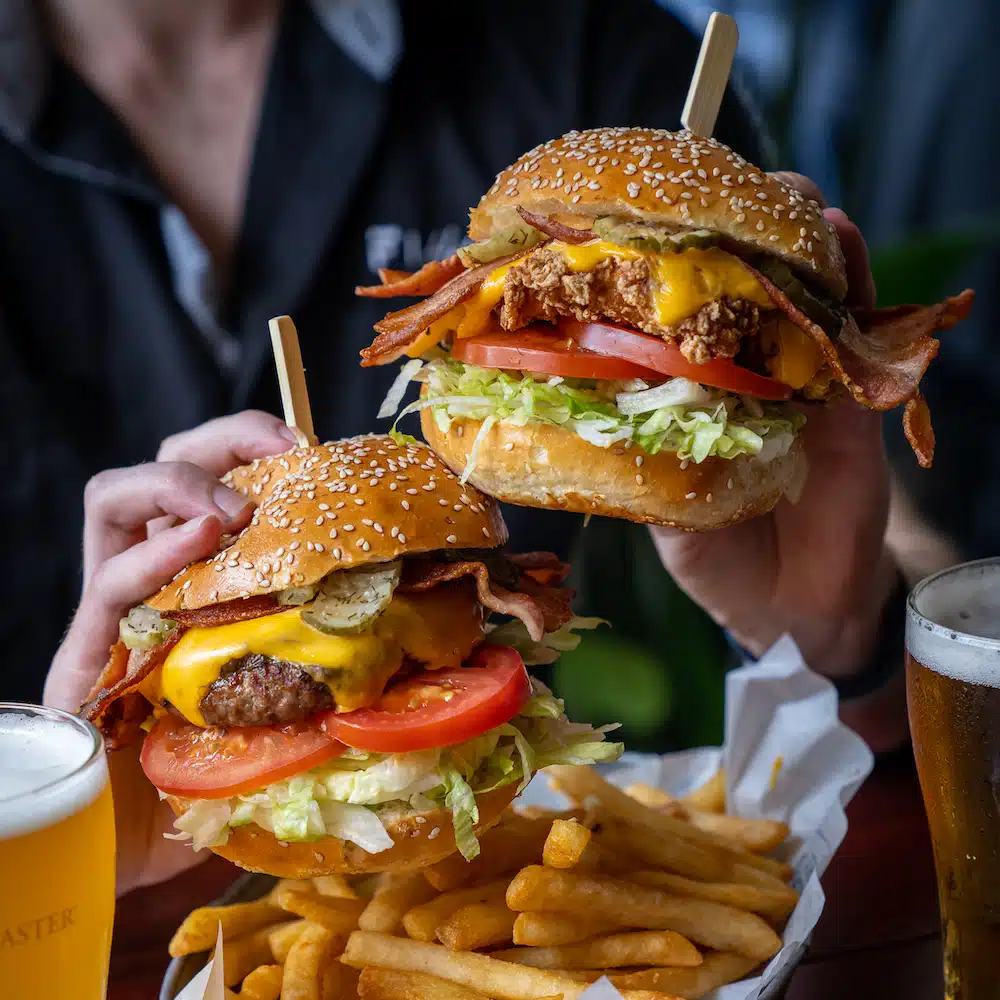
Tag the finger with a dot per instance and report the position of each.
(802, 184)
(118, 503)
(222, 444)
(860, 283)
(119, 584)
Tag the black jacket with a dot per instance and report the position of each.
(109, 337)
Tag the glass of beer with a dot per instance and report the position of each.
(953, 694)
(57, 856)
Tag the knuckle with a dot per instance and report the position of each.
(98, 487)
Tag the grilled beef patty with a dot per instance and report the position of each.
(257, 690)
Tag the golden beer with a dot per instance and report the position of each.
(57, 857)
(953, 694)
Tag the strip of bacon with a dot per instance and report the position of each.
(542, 609)
(430, 278)
(558, 231)
(399, 329)
(881, 354)
(545, 568)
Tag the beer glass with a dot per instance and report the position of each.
(953, 694)
(57, 856)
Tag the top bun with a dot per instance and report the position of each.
(667, 178)
(336, 506)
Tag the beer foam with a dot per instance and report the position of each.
(959, 632)
(42, 777)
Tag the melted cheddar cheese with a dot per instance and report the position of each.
(438, 627)
(796, 358)
(681, 282)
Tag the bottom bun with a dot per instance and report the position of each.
(416, 843)
(540, 465)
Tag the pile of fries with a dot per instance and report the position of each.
(667, 897)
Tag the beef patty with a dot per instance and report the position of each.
(257, 690)
(542, 287)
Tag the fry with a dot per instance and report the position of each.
(565, 844)
(303, 973)
(264, 983)
(550, 929)
(282, 938)
(422, 921)
(335, 886)
(338, 915)
(710, 797)
(395, 895)
(718, 968)
(245, 953)
(284, 884)
(582, 783)
(775, 904)
(388, 984)
(649, 795)
(757, 835)
(200, 928)
(340, 982)
(615, 951)
(478, 925)
(711, 864)
(504, 848)
(500, 980)
(710, 924)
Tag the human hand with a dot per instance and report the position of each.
(142, 525)
(817, 569)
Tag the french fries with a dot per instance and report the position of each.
(395, 895)
(200, 928)
(478, 925)
(423, 921)
(264, 983)
(631, 886)
(388, 984)
(548, 929)
(583, 783)
(303, 973)
(723, 928)
(612, 952)
(711, 796)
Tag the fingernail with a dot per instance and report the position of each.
(228, 501)
(288, 434)
(195, 525)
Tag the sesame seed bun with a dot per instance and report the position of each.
(540, 465)
(421, 839)
(666, 178)
(336, 506)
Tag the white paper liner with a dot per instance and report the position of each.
(776, 710)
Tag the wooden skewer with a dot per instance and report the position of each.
(292, 379)
(711, 74)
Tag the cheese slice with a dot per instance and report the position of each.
(436, 627)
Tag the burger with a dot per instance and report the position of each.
(330, 691)
(637, 329)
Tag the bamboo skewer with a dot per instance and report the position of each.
(292, 379)
(711, 74)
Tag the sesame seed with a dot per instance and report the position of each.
(336, 553)
(348, 527)
(486, 532)
(708, 497)
(690, 496)
(406, 505)
(451, 539)
(684, 464)
(638, 479)
(434, 833)
(509, 446)
(402, 538)
(729, 485)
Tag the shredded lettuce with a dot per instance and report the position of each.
(352, 795)
(683, 417)
(514, 633)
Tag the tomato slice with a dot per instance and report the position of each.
(544, 350)
(435, 708)
(665, 357)
(215, 763)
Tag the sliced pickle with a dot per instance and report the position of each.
(350, 600)
(500, 244)
(654, 239)
(144, 627)
(818, 306)
(293, 597)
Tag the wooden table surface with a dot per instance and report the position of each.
(878, 936)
